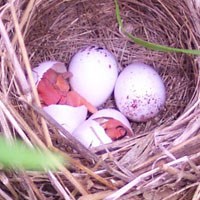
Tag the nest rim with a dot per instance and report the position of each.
(176, 129)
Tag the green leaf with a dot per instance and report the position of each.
(150, 45)
(17, 155)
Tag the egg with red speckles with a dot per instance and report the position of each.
(95, 71)
(139, 92)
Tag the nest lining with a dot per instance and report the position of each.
(57, 29)
(56, 32)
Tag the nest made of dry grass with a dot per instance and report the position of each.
(162, 160)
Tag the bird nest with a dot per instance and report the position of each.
(161, 160)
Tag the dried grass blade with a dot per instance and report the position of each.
(193, 144)
(180, 192)
(13, 57)
(25, 17)
(73, 180)
(197, 193)
(91, 173)
(6, 181)
(190, 130)
(96, 196)
(59, 186)
(14, 123)
(29, 186)
(5, 125)
(18, 122)
(140, 178)
(4, 195)
(29, 72)
(36, 193)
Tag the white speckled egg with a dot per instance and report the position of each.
(95, 71)
(139, 92)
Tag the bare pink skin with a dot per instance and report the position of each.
(54, 88)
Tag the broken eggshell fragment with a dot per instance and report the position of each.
(39, 71)
(112, 113)
(93, 133)
(67, 116)
(114, 122)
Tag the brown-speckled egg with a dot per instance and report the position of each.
(139, 92)
(95, 72)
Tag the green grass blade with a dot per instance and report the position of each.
(117, 11)
(157, 47)
(19, 156)
(150, 45)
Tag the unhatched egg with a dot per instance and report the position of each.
(139, 92)
(95, 71)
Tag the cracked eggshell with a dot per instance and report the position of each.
(91, 134)
(67, 116)
(44, 66)
(112, 113)
(95, 71)
(139, 92)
